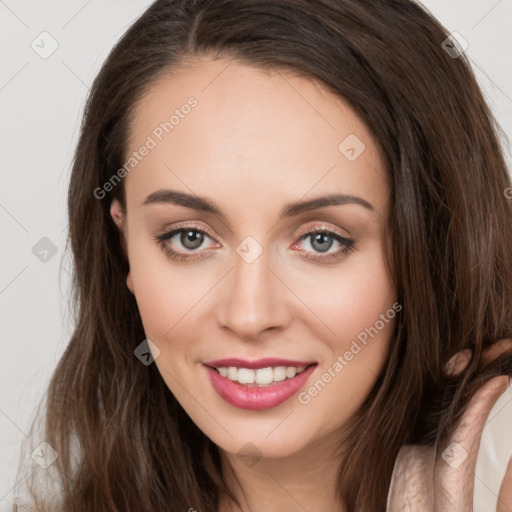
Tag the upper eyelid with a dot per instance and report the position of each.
(177, 228)
(301, 232)
(322, 228)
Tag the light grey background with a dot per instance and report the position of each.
(41, 101)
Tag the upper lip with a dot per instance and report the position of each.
(257, 363)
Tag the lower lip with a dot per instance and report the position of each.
(257, 398)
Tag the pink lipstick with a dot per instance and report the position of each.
(260, 384)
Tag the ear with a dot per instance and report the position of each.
(118, 216)
(129, 282)
(117, 213)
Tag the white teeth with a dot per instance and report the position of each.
(279, 373)
(291, 371)
(261, 376)
(245, 376)
(264, 375)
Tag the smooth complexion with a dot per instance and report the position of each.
(257, 141)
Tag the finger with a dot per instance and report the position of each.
(505, 494)
(458, 362)
(454, 470)
(411, 488)
(496, 350)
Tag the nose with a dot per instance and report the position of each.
(254, 299)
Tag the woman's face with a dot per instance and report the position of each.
(242, 161)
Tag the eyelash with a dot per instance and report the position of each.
(347, 243)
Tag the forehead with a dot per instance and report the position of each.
(230, 130)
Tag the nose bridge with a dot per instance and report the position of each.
(253, 299)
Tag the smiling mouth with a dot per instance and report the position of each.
(269, 383)
(260, 377)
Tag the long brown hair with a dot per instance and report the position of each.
(124, 442)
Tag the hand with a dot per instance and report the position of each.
(421, 484)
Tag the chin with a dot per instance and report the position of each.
(255, 444)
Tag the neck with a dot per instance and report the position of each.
(306, 480)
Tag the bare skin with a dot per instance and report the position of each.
(424, 483)
(255, 142)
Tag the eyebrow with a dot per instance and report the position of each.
(290, 210)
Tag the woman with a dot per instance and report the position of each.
(289, 223)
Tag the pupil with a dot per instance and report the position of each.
(322, 238)
(192, 236)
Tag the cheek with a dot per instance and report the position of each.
(349, 299)
(170, 297)
(165, 305)
(358, 311)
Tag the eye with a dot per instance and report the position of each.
(322, 239)
(192, 238)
